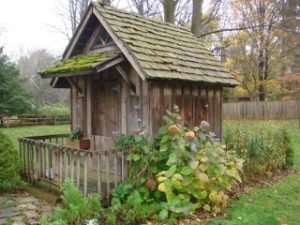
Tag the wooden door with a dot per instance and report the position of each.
(106, 110)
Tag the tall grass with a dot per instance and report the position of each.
(265, 146)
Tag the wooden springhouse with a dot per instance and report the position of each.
(125, 71)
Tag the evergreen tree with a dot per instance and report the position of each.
(14, 98)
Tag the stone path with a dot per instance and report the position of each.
(22, 209)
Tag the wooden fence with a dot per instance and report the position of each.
(262, 110)
(46, 158)
(32, 119)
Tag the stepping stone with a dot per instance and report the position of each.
(11, 209)
(24, 200)
(18, 218)
(27, 206)
(19, 223)
(9, 212)
(31, 214)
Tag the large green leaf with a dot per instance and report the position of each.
(186, 170)
(172, 159)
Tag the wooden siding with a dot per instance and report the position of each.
(78, 104)
(196, 102)
(106, 111)
(109, 105)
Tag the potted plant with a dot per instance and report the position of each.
(76, 140)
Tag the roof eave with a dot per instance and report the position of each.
(67, 74)
(223, 84)
(98, 67)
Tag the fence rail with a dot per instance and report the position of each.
(45, 157)
(27, 120)
(262, 110)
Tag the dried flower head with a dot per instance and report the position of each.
(189, 135)
(204, 125)
(173, 129)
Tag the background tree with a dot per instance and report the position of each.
(43, 94)
(71, 15)
(15, 98)
(147, 8)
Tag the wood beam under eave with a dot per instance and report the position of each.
(109, 64)
(74, 84)
(126, 78)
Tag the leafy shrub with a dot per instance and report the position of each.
(184, 171)
(9, 165)
(52, 110)
(75, 209)
(198, 170)
(265, 149)
(133, 211)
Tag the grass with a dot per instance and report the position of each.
(274, 205)
(15, 132)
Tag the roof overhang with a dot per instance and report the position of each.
(59, 70)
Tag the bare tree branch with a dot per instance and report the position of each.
(244, 28)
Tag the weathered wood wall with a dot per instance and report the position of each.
(79, 104)
(196, 102)
(262, 110)
(108, 105)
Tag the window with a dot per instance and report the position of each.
(103, 39)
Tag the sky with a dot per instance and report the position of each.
(28, 25)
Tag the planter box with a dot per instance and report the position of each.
(82, 143)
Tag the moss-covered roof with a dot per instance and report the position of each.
(80, 63)
(163, 50)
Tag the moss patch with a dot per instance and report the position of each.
(79, 62)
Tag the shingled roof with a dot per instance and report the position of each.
(163, 50)
(159, 50)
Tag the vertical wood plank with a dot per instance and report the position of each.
(211, 109)
(217, 111)
(156, 103)
(72, 156)
(123, 168)
(61, 165)
(85, 174)
(145, 105)
(99, 173)
(168, 97)
(54, 156)
(107, 172)
(65, 163)
(89, 107)
(78, 160)
(23, 156)
(115, 169)
(124, 97)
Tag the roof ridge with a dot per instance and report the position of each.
(97, 4)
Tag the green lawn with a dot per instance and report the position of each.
(277, 204)
(14, 133)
